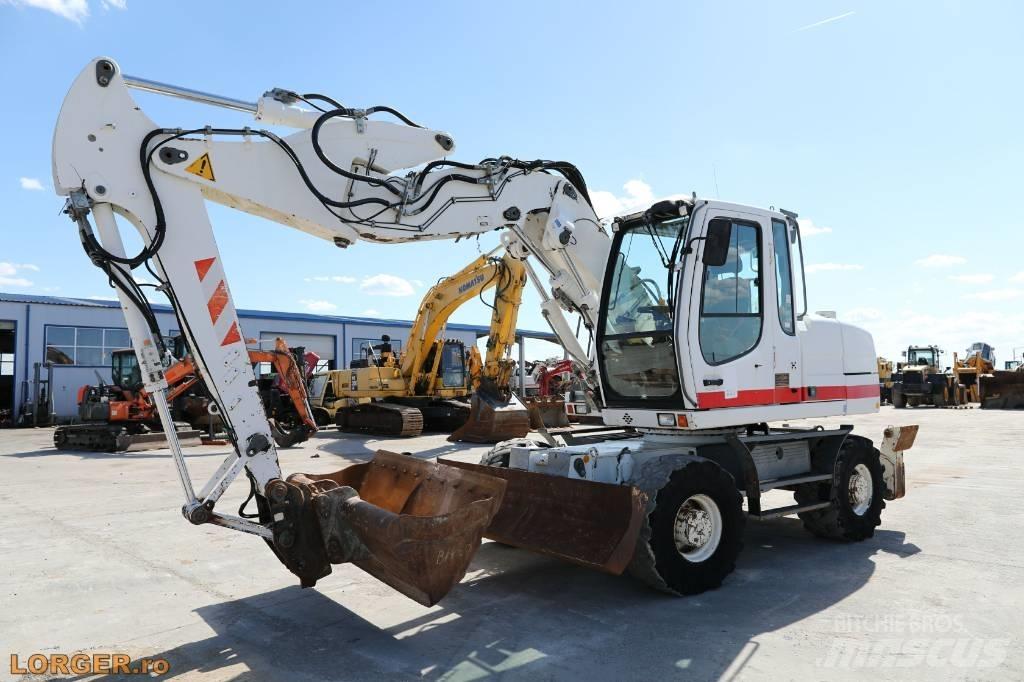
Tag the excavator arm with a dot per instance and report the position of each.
(333, 178)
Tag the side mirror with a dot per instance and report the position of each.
(716, 245)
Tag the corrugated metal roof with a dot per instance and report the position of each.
(262, 314)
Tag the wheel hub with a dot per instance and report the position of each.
(697, 530)
(861, 489)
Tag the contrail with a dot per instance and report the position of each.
(823, 22)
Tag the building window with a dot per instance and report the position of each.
(84, 346)
(361, 348)
(6, 364)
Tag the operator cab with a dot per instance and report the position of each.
(704, 323)
(918, 356)
(124, 370)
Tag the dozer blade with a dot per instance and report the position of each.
(492, 419)
(1002, 390)
(592, 524)
(410, 523)
(547, 412)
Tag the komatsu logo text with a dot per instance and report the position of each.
(471, 283)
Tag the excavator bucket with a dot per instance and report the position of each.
(492, 419)
(1002, 390)
(546, 411)
(591, 524)
(410, 523)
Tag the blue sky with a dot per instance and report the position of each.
(892, 128)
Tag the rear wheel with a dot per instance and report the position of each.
(696, 528)
(857, 503)
(939, 398)
(898, 400)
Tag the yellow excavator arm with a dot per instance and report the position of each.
(508, 276)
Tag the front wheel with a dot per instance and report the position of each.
(856, 495)
(696, 529)
(898, 400)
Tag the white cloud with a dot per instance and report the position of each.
(318, 306)
(832, 267)
(339, 279)
(638, 195)
(370, 312)
(386, 285)
(995, 295)
(1018, 278)
(809, 229)
(72, 10)
(940, 260)
(418, 283)
(861, 314)
(10, 274)
(31, 184)
(980, 278)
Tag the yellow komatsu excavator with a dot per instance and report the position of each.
(429, 385)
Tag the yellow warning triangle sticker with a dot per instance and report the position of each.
(202, 167)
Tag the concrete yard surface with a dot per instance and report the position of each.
(97, 558)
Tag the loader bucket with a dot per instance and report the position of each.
(592, 524)
(1002, 390)
(547, 412)
(493, 419)
(410, 523)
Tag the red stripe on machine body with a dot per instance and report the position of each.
(233, 336)
(218, 301)
(203, 266)
(769, 396)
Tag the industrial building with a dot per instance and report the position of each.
(70, 340)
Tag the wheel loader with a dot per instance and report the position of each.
(921, 380)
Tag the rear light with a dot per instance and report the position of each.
(682, 421)
(570, 408)
(666, 419)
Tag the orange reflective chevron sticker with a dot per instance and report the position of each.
(232, 336)
(202, 167)
(203, 266)
(217, 302)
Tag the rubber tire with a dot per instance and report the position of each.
(838, 522)
(939, 398)
(680, 575)
(898, 399)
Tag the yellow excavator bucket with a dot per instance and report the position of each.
(410, 523)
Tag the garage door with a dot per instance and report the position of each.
(321, 344)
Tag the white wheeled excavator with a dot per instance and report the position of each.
(696, 307)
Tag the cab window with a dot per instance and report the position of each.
(783, 276)
(730, 317)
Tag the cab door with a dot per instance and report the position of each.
(730, 343)
(785, 255)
